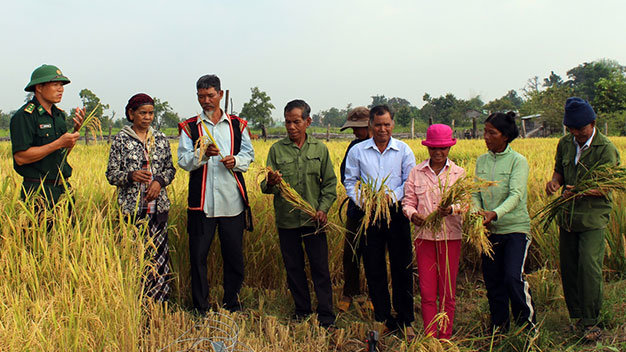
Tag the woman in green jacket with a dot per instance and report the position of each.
(506, 217)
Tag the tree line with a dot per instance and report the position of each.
(601, 82)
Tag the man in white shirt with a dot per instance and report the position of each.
(217, 192)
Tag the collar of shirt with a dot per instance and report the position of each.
(579, 149)
(308, 140)
(41, 110)
(390, 145)
(587, 143)
(426, 165)
(204, 117)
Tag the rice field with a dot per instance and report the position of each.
(78, 286)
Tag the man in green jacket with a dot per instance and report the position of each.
(582, 234)
(39, 137)
(304, 163)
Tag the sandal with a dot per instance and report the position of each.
(344, 304)
(592, 333)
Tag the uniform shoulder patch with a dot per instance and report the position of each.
(30, 108)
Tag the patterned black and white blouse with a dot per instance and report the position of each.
(127, 155)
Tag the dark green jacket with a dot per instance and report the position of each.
(590, 213)
(309, 171)
(32, 126)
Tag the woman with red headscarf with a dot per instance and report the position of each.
(140, 165)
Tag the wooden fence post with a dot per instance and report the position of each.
(523, 128)
(564, 130)
(606, 128)
(412, 128)
(328, 133)
(109, 139)
(86, 137)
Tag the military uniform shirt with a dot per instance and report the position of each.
(32, 126)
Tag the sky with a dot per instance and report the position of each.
(329, 53)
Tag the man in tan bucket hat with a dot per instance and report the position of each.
(358, 120)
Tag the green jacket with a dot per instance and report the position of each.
(590, 213)
(32, 126)
(508, 197)
(309, 171)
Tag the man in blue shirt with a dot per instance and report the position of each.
(375, 159)
(217, 192)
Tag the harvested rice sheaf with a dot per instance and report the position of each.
(375, 202)
(605, 178)
(459, 193)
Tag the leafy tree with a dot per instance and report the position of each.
(334, 117)
(553, 81)
(508, 102)
(90, 101)
(532, 87)
(378, 100)
(583, 78)
(164, 115)
(443, 109)
(610, 95)
(259, 109)
(550, 103)
(5, 120)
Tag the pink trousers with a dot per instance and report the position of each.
(437, 265)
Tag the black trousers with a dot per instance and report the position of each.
(352, 253)
(201, 232)
(397, 240)
(316, 247)
(505, 282)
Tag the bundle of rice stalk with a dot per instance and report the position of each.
(150, 145)
(476, 234)
(375, 203)
(459, 193)
(295, 199)
(605, 178)
(92, 124)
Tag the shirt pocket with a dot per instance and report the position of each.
(313, 166)
(45, 135)
(286, 165)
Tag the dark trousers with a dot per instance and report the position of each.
(397, 240)
(316, 247)
(581, 256)
(352, 253)
(201, 232)
(505, 282)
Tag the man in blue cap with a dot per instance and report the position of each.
(581, 242)
(39, 137)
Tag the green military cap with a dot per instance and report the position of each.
(45, 73)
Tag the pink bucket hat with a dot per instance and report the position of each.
(439, 136)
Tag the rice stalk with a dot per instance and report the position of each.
(375, 203)
(295, 199)
(459, 193)
(605, 178)
(476, 234)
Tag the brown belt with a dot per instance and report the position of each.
(45, 181)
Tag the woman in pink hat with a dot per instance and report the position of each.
(437, 253)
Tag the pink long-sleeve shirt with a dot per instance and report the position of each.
(422, 195)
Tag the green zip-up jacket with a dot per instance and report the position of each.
(590, 213)
(508, 197)
(309, 171)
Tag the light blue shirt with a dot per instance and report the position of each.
(365, 161)
(222, 197)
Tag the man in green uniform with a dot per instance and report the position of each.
(581, 242)
(39, 137)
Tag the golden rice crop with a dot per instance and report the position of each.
(78, 288)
